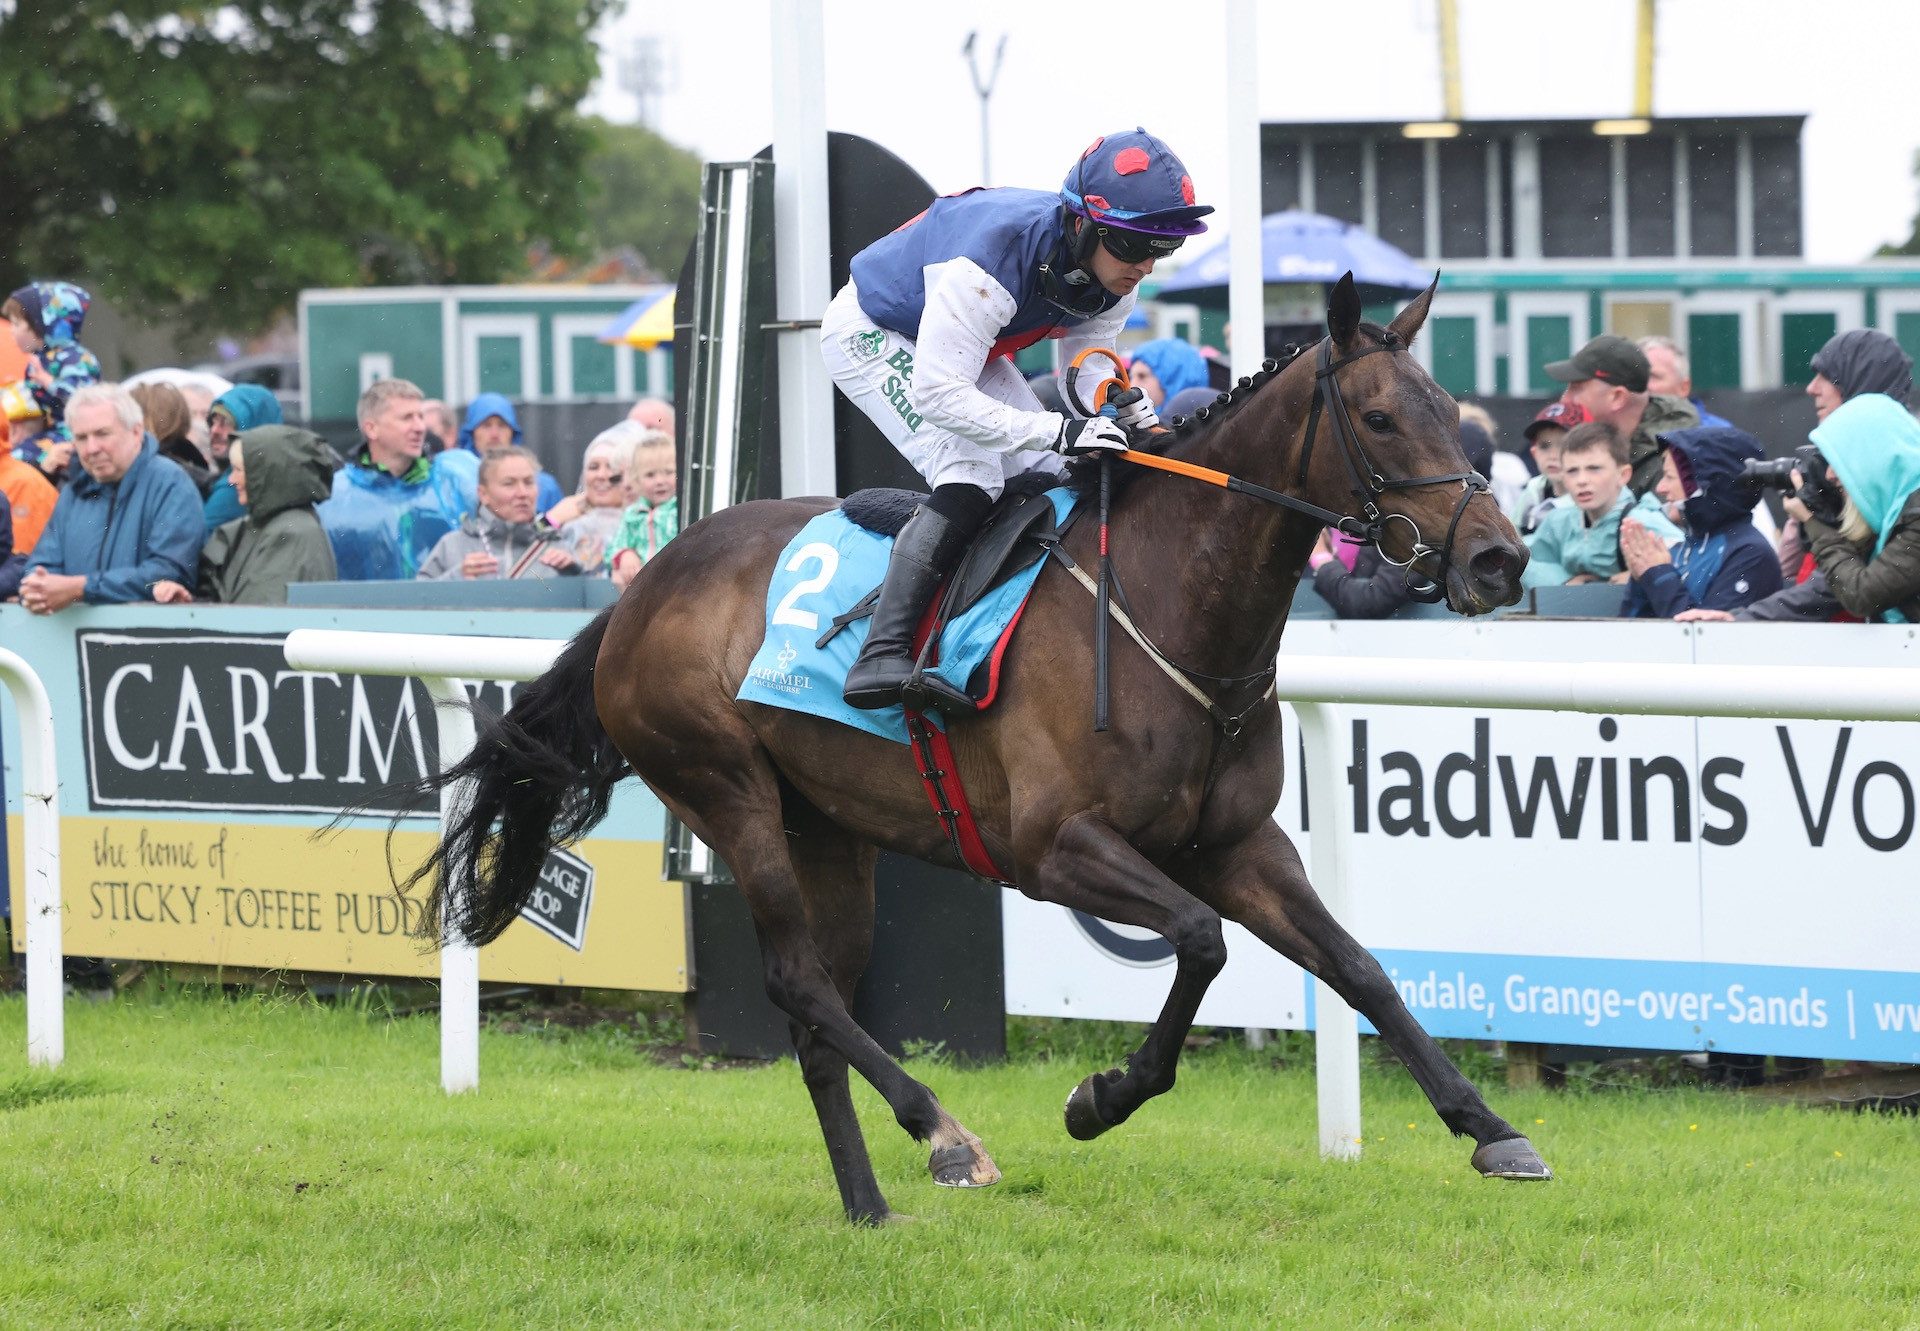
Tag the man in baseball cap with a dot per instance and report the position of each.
(1608, 378)
(1543, 434)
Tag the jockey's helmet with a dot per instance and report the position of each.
(1132, 183)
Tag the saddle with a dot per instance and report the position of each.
(1018, 532)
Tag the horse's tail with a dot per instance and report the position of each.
(542, 774)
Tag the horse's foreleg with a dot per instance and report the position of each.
(1091, 868)
(1260, 884)
(836, 880)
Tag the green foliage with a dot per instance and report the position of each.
(209, 161)
(647, 195)
(1911, 245)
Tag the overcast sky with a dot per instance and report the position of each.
(895, 74)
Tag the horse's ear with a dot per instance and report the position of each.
(1343, 312)
(1408, 322)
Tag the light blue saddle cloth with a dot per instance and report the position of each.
(822, 573)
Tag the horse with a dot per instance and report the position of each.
(1163, 821)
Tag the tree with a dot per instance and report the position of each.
(207, 161)
(647, 195)
(1911, 245)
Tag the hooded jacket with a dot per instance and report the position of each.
(250, 405)
(1174, 363)
(32, 496)
(548, 492)
(1872, 442)
(1664, 415)
(56, 310)
(510, 543)
(1722, 562)
(125, 535)
(382, 526)
(279, 540)
(1865, 360)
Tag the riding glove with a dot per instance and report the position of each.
(1078, 437)
(1134, 410)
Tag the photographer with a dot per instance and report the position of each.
(1871, 444)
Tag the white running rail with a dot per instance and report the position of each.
(40, 856)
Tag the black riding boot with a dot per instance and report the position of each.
(924, 552)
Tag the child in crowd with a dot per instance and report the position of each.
(1580, 541)
(1544, 434)
(653, 506)
(46, 319)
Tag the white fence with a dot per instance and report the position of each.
(1315, 686)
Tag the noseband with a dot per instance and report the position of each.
(1368, 486)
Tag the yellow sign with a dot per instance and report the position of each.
(274, 897)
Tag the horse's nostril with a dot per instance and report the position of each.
(1495, 564)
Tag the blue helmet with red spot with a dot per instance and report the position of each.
(1133, 182)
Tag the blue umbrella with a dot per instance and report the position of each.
(1297, 247)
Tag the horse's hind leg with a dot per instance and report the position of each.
(1261, 884)
(1090, 867)
(836, 881)
(732, 802)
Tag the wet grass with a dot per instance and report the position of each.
(264, 1161)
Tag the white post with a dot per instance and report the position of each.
(459, 959)
(1246, 301)
(1336, 1029)
(801, 246)
(40, 857)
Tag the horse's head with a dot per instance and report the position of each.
(1385, 422)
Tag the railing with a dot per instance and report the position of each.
(40, 855)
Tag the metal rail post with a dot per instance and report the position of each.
(40, 855)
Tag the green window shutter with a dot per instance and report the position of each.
(1455, 340)
(1713, 346)
(1549, 338)
(1906, 331)
(593, 367)
(499, 359)
(1800, 336)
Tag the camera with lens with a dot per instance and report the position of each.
(1822, 497)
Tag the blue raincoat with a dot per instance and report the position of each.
(381, 525)
(249, 405)
(549, 492)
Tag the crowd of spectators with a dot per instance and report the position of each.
(110, 495)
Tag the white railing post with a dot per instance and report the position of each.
(1336, 1027)
(40, 857)
(459, 959)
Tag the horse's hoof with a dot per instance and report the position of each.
(962, 1166)
(1513, 1158)
(1083, 1115)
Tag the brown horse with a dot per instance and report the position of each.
(1165, 821)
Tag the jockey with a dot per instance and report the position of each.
(921, 339)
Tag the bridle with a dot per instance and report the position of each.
(1368, 486)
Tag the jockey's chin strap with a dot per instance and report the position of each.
(1367, 485)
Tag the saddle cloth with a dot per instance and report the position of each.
(826, 570)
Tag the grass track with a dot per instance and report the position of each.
(268, 1163)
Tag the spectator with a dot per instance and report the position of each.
(390, 505)
(1872, 446)
(588, 521)
(234, 412)
(1670, 374)
(46, 319)
(502, 540)
(443, 427)
(25, 422)
(1608, 377)
(492, 425)
(31, 496)
(1724, 562)
(655, 414)
(1187, 402)
(1506, 474)
(13, 560)
(130, 519)
(1164, 367)
(1580, 542)
(1371, 589)
(170, 421)
(653, 508)
(200, 403)
(279, 473)
(1544, 434)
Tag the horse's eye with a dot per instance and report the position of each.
(1379, 422)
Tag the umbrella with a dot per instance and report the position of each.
(645, 324)
(206, 380)
(1299, 248)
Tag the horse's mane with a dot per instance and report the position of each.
(1083, 473)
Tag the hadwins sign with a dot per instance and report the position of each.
(220, 722)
